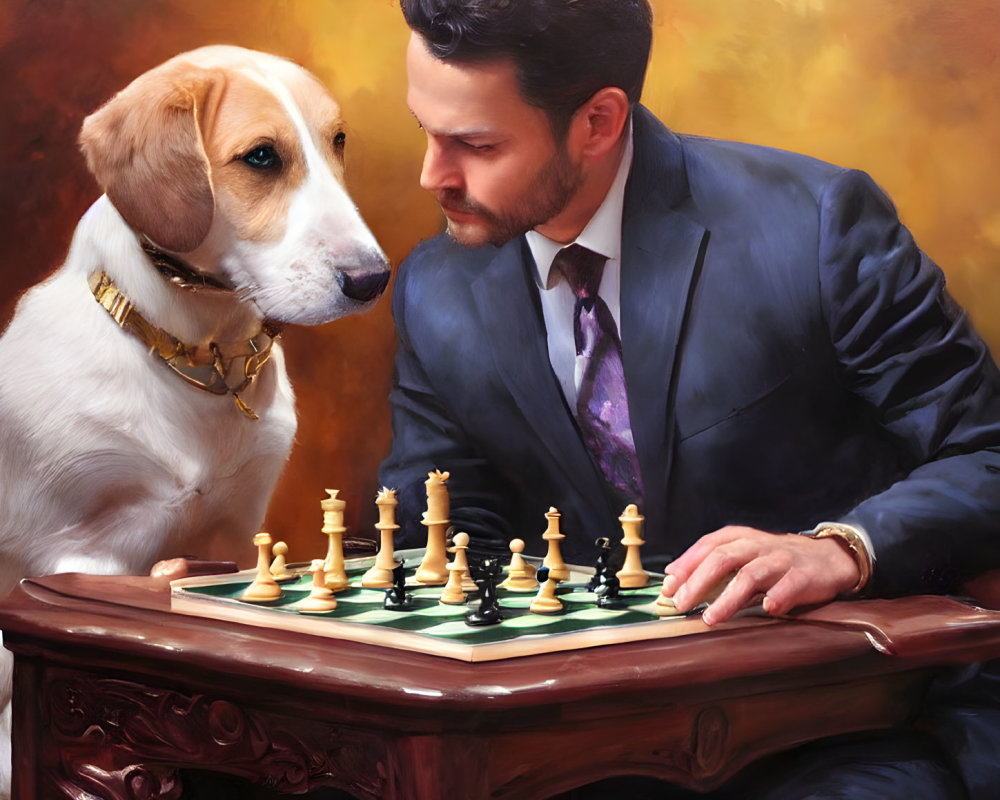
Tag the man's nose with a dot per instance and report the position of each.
(438, 172)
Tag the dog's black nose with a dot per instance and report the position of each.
(365, 280)
(362, 285)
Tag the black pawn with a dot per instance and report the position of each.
(488, 612)
(397, 598)
(601, 567)
(608, 594)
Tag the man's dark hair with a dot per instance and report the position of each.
(564, 50)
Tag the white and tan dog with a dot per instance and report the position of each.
(144, 411)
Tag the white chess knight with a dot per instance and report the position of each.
(146, 412)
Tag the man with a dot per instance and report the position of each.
(769, 350)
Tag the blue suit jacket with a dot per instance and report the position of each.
(791, 357)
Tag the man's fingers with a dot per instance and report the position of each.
(721, 562)
(798, 587)
(752, 579)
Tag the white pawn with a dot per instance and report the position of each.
(454, 591)
(546, 602)
(468, 584)
(664, 605)
(279, 567)
(321, 599)
(264, 588)
(520, 574)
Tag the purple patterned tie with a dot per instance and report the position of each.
(601, 404)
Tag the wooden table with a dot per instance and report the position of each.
(114, 694)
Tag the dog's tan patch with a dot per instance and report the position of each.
(255, 199)
(323, 116)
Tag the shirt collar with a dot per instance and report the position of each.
(602, 234)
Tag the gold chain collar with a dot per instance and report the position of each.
(211, 368)
(178, 272)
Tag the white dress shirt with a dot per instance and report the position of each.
(603, 234)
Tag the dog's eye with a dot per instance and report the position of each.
(339, 141)
(263, 157)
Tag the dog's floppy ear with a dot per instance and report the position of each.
(145, 148)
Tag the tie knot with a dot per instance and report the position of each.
(582, 269)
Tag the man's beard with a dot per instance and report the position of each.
(551, 190)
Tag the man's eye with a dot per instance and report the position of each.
(479, 148)
(263, 157)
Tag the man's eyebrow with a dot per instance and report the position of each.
(457, 133)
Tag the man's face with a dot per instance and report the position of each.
(492, 162)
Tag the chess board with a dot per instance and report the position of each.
(435, 628)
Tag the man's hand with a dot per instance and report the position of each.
(788, 569)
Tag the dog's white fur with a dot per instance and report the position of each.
(108, 460)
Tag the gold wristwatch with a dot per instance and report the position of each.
(854, 543)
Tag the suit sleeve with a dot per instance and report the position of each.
(911, 353)
(426, 435)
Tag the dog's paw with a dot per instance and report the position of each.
(173, 568)
(170, 569)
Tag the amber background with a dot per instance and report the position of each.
(908, 90)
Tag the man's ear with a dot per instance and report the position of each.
(145, 148)
(596, 127)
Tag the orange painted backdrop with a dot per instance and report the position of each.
(905, 89)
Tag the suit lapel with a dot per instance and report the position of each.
(659, 271)
(508, 305)
(662, 252)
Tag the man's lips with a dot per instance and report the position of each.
(457, 213)
(457, 210)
